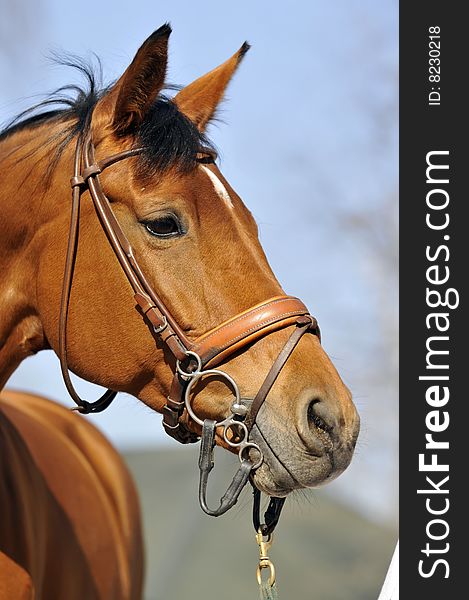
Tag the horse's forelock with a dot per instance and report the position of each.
(169, 139)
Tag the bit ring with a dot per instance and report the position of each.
(194, 378)
(186, 374)
(255, 447)
(241, 426)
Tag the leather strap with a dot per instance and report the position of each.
(247, 327)
(206, 464)
(105, 400)
(150, 304)
(271, 515)
(302, 325)
(172, 413)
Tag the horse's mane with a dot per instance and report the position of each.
(168, 137)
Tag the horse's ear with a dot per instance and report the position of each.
(134, 93)
(199, 100)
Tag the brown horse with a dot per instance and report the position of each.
(70, 521)
(197, 245)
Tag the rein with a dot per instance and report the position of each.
(195, 359)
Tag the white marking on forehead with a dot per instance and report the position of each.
(219, 187)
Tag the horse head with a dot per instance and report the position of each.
(196, 244)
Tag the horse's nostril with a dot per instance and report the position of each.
(317, 416)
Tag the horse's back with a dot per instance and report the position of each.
(70, 513)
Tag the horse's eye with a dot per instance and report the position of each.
(164, 227)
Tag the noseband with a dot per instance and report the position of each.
(193, 359)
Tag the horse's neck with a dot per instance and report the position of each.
(25, 207)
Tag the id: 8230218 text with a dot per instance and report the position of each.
(434, 65)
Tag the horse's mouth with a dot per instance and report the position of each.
(279, 475)
(293, 457)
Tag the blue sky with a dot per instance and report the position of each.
(309, 141)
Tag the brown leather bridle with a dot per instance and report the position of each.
(192, 357)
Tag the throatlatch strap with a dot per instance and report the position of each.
(83, 406)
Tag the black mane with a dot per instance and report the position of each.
(168, 137)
